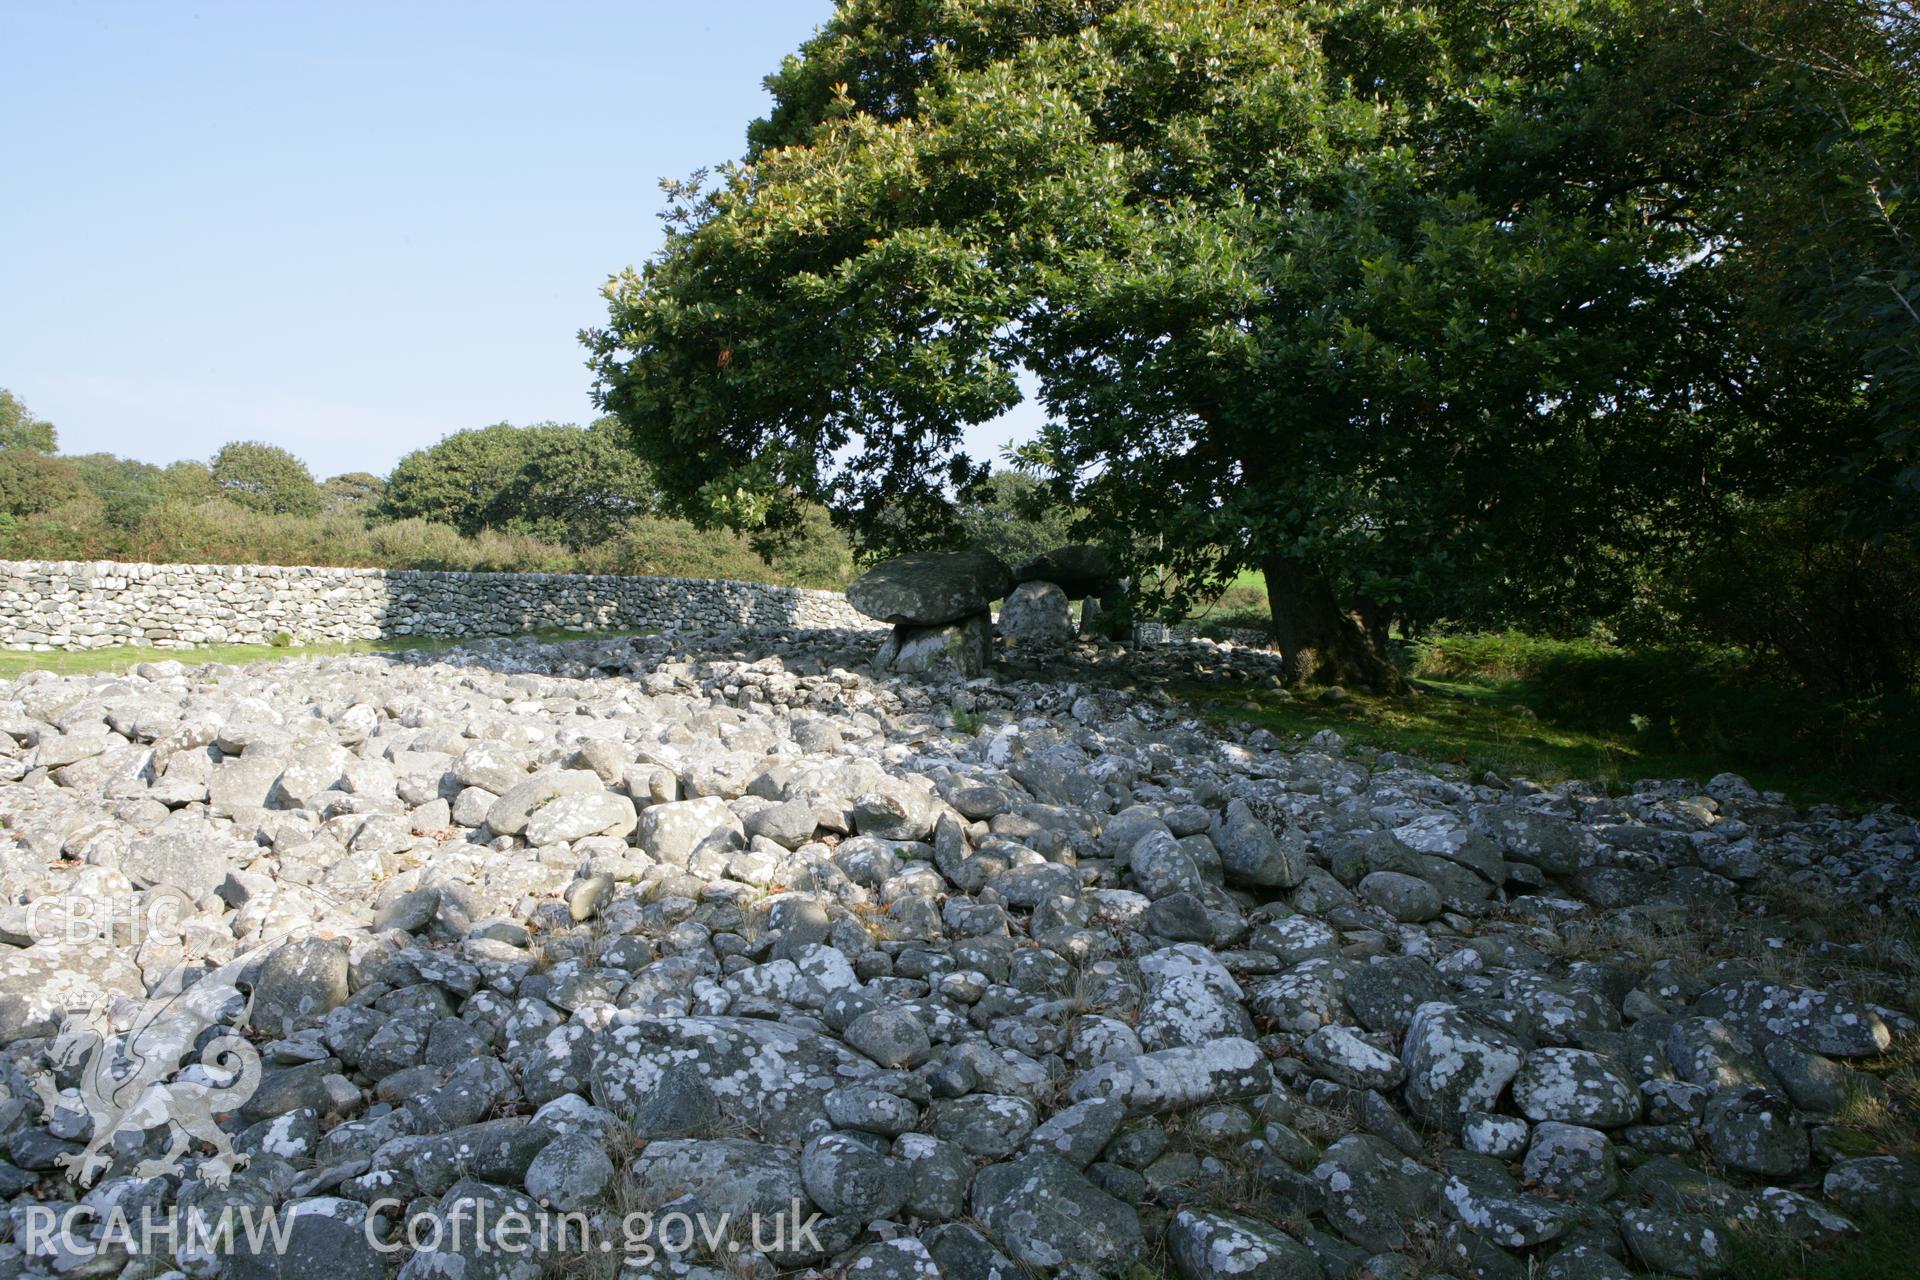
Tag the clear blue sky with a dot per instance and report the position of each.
(343, 227)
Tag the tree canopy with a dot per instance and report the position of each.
(1420, 309)
(265, 477)
(32, 482)
(352, 491)
(128, 490)
(19, 429)
(1012, 515)
(566, 483)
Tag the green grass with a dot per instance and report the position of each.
(1250, 580)
(1499, 725)
(1550, 710)
(1585, 708)
(1885, 1249)
(1242, 606)
(111, 661)
(1721, 706)
(1479, 728)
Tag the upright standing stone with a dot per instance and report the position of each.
(1036, 616)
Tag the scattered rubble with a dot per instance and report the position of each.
(742, 925)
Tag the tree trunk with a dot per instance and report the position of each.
(1318, 641)
(1377, 621)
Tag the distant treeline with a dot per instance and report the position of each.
(547, 498)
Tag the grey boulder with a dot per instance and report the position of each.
(930, 588)
(731, 1176)
(1047, 1215)
(1211, 1246)
(1826, 1022)
(764, 1073)
(1079, 569)
(962, 648)
(322, 1235)
(1455, 1066)
(1408, 899)
(844, 1175)
(1037, 617)
(571, 1173)
(1575, 1086)
(1250, 853)
(299, 983)
(593, 813)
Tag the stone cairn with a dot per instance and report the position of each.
(381, 950)
(940, 606)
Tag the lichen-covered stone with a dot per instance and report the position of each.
(1185, 1076)
(1214, 1246)
(1047, 1215)
(775, 1076)
(1577, 1087)
(1455, 1066)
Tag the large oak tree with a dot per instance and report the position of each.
(1400, 303)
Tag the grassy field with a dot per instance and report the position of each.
(109, 661)
(1481, 726)
(1551, 710)
(1243, 605)
(1555, 709)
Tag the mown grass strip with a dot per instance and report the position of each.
(124, 657)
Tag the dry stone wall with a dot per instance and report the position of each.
(46, 605)
(1150, 635)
